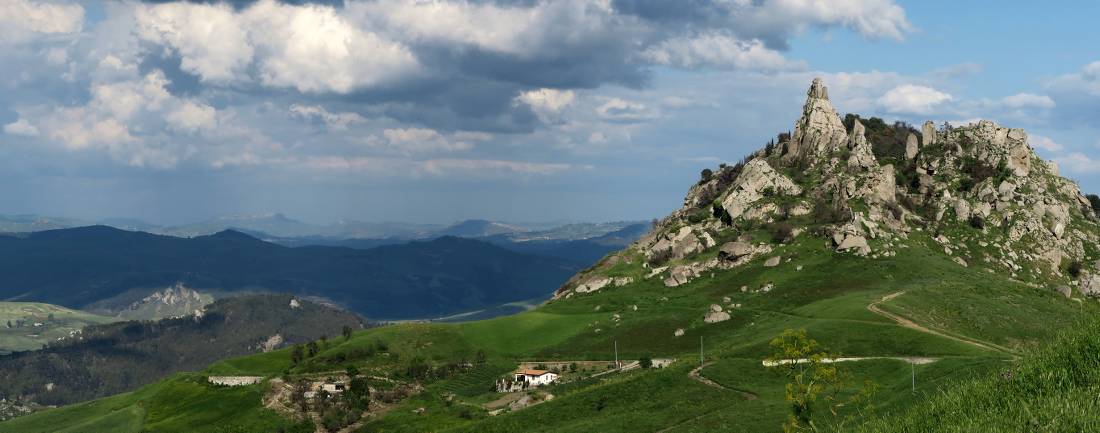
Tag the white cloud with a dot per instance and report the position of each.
(18, 18)
(913, 99)
(718, 50)
(21, 127)
(415, 141)
(548, 104)
(1077, 162)
(309, 48)
(192, 116)
(871, 18)
(211, 40)
(1045, 143)
(1027, 100)
(338, 121)
(621, 110)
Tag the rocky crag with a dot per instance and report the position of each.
(979, 191)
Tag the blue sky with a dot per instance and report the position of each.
(518, 110)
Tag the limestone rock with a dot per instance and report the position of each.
(911, 147)
(734, 250)
(755, 178)
(678, 333)
(772, 262)
(715, 308)
(1090, 285)
(928, 133)
(715, 317)
(1064, 290)
(819, 130)
(861, 153)
(592, 285)
(1006, 191)
(853, 242)
(962, 210)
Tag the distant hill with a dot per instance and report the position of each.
(478, 228)
(117, 357)
(78, 267)
(30, 325)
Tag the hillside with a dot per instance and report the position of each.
(31, 325)
(108, 359)
(91, 265)
(917, 259)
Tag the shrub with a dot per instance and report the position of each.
(782, 232)
(977, 222)
(660, 257)
(645, 362)
(705, 175)
(1095, 201)
(697, 217)
(1074, 269)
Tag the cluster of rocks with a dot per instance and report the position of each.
(981, 175)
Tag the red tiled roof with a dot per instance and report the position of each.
(529, 372)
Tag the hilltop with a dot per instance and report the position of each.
(921, 258)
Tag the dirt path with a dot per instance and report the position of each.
(874, 308)
(695, 375)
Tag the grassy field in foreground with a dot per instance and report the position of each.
(29, 325)
(1053, 389)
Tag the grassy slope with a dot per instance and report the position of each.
(1051, 390)
(828, 297)
(29, 337)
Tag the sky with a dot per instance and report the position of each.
(516, 110)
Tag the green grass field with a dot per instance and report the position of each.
(30, 325)
(829, 298)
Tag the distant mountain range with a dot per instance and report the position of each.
(82, 266)
(288, 230)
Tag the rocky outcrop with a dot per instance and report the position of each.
(819, 131)
(757, 178)
(928, 133)
(911, 147)
(862, 155)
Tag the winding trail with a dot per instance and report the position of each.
(694, 374)
(904, 322)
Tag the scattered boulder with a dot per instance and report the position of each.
(772, 262)
(853, 242)
(1064, 290)
(678, 333)
(715, 317)
(715, 308)
(734, 250)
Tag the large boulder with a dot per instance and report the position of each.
(716, 316)
(911, 147)
(734, 250)
(861, 154)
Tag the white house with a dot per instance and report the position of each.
(535, 377)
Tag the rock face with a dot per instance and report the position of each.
(928, 133)
(757, 178)
(911, 147)
(819, 130)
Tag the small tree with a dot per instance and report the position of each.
(312, 349)
(1074, 269)
(645, 362)
(347, 332)
(812, 375)
(705, 175)
(1094, 200)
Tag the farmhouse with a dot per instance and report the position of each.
(535, 377)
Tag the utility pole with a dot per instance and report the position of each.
(617, 365)
(700, 350)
